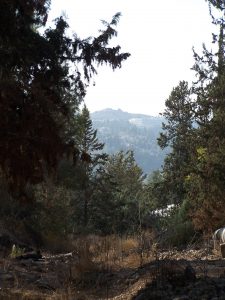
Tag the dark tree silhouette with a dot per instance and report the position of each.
(43, 78)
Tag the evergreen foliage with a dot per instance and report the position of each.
(41, 86)
(194, 170)
(118, 203)
(206, 181)
(44, 132)
(155, 191)
(82, 177)
(177, 133)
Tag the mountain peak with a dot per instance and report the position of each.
(110, 114)
(120, 130)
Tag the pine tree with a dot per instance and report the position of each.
(92, 158)
(177, 134)
(83, 176)
(206, 182)
(41, 86)
(126, 179)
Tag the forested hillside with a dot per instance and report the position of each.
(121, 130)
(62, 191)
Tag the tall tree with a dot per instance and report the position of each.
(124, 181)
(177, 134)
(206, 182)
(91, 148)
(41, 85)
(82, 177)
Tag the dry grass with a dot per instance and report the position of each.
(69, 294)
(84, 273)
(129, 244)
(21, 294)
(113, 252)
(103, 255)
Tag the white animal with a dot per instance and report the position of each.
(219, 236)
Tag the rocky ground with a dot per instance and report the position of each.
(186, 275)
(190, 274)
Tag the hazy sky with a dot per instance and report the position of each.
(159, 34)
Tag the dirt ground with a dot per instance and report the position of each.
(187, 274)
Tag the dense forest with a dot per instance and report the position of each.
(58, 182)
(56, 178)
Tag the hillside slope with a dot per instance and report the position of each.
(121, 130)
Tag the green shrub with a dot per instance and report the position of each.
(179, 228)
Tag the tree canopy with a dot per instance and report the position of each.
(43, 79)
(195, 130)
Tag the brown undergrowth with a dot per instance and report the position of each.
(110, 267)
(94, 265)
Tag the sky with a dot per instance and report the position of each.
(159, 35)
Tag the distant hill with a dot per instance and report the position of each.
(121, 130)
